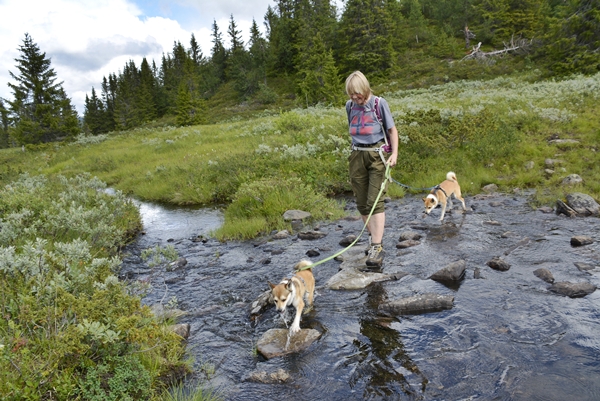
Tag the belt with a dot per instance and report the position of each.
(366, 145)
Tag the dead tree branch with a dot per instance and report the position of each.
(519, 46)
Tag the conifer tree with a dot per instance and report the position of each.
(258, 53)
(94, 116)
(238, 60)
(109, 92)
(318, 78)
(191, 109)
(40, 110)
(195, 51)
(366, 41)
(147, 92)
(219, 54)
(4, 140)
(573, 44)
(282, 29)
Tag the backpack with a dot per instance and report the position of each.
(387, 147)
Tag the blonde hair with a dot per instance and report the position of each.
(358, 83)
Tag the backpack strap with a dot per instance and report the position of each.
(378, 114)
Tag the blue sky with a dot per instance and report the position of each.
(88, 39)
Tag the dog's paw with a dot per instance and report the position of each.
(294, 329)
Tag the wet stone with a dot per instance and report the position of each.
(264, 377)
(573, 290)
(409, 235)
(274, 342)
(580, 240)
(311, 253)
(584, 267)
(311, 235)
(546, 209)
(453, 272)
(424, 303)
(347, 240)
(407, 244)
(498, 264)
(544, 274)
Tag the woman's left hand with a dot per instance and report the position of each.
(392, 160)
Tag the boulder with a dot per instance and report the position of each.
(453, 272)
(407, 244)
(580, 240)
(498, 264)
(182, 330)
(573, 290)
(583, 205)
(409, 235)
(584, 267)
(572, 179)
(261, 303)
(296, 215)
(311, 235)
(544, 274)
(347, 240)
(563, 208)
(275, 342)
(273, 377)
(424, 303)
(350, 276)
(283, 234)
(490, 188)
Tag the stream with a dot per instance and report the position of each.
(507, 336)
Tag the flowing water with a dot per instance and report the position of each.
(506, 338)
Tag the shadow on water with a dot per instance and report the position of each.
(507, 337)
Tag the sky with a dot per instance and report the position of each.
(87, 40)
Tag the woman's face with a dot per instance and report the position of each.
(358, 99)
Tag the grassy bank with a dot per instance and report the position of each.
(494, 131)
(70, 329)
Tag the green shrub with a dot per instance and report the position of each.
(258, 207)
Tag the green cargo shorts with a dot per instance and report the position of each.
(367, 172)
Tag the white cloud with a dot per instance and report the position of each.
(89, 39)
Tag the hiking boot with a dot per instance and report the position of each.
(375, 256)
(368, 246)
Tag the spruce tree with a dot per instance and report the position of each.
(318, 78)
(258, 53)
(219, 54)
(40, 110)
(4, 139)
(94, 116)
(366, 37)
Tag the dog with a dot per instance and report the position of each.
(442, 193)
(293, 291)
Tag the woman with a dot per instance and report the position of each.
(369, 118)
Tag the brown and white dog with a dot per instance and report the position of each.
(442, 193)
(292, 291)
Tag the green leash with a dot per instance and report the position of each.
(387, 177)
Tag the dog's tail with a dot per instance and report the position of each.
(303, 265)
(451, 176)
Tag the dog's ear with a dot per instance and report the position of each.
(271, 284)
(424, 199)
(289, 285)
